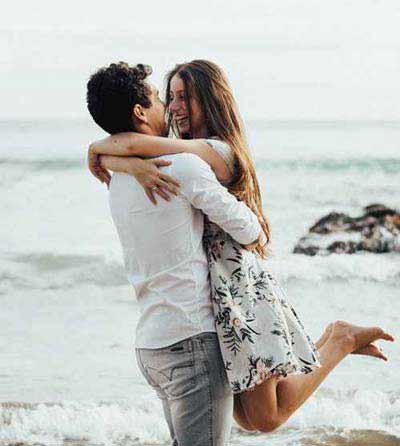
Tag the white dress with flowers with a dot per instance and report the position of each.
(259, 332)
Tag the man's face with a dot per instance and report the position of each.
(156, 113)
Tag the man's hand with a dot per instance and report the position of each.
(96, 168)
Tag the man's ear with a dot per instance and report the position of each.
(139, 114)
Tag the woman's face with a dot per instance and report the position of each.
(180, 114)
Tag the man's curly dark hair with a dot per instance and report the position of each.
(113, 91)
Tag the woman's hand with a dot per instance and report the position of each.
(96, 168)
(152, 179)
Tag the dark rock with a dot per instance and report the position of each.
(309, 250)
(330, 223)
(340, 247)
(377, 230)
(378, 210)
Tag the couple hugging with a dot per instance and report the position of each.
(216, 335)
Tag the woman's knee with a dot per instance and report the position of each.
(258, 420)
(267, 423)
(240, 416)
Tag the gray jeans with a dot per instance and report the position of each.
(190, 380)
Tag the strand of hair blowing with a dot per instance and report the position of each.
(210, 85)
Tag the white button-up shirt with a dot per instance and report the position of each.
(163, 252)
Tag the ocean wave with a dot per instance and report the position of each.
(383, 268)
(364, 164)
(351, 417)
(57, 271)
(83, 422)
(52, 271)
(42, 164)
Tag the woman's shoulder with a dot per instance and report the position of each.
(224, 150)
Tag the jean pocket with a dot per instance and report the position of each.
(183, 380)
(144, 370)
(209, 336)
(174, 374)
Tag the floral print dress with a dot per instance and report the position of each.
(259, 332)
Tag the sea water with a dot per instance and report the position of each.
(67, 323)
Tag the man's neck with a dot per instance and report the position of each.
(146, 130)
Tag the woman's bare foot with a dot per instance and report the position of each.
(368, 350)
(352, 338)
(371, 350)
(325, 336)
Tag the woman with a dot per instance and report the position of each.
(271, 363)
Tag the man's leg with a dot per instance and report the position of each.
(168, 418)
(161, 395)
(190, 379)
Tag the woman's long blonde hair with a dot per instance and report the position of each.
(210, 86)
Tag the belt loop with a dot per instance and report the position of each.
(190, 345)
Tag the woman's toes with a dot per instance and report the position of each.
(381, 334)
(388, 337)
(371, 350)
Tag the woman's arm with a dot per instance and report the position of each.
(147, 146)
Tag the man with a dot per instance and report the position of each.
(176, 344)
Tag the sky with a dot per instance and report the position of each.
(286, 59)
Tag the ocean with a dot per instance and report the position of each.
(68, 372)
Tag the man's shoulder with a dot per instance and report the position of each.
(186, 165)
(182, 157)
(123, 182)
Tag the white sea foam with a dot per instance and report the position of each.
(100, 423)
(384, 268)
(50, 271)
(142, 421)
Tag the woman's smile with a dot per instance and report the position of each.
(181, 121)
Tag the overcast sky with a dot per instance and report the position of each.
(286, 59)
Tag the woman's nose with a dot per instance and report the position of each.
(173, 106)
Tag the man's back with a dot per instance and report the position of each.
(163, 252)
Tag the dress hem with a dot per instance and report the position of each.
(284, 370)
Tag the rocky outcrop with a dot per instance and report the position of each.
(378, 230)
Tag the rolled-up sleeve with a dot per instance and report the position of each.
(202, 189)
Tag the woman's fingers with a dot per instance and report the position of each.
(160, 162)
(170, 187)
(108, 177)
(170, 179)
(152, 190)
(161, 192)
(98, 174)
(108, 180)
(150, 195)
(104, 175)
(96, 169)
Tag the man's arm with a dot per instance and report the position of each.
(202, 189)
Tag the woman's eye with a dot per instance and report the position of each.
(179, 97)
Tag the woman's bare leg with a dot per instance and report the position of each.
(238, 411)
(275, 400)
(239, 414)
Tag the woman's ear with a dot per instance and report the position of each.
(139, 114)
